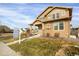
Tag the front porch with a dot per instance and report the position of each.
(37, 29)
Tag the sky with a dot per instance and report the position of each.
(19, 15)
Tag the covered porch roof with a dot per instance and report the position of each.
(37, 22)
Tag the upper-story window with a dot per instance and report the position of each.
(53, 16)
(56, 16)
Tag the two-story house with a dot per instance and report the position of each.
(53, 21)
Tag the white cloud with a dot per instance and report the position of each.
(11, 25)
(15, 17)
(21, 19)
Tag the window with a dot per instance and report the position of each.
(53, 16)
(56, 26)
(61, 26)
(57, 15)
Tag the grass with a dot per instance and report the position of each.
(41, 46)
(6, 37)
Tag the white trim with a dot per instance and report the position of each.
(63, 27)
(54, 24)
(58, 26)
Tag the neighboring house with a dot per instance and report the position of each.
(54, 21)
(5, 29)
(75, 31)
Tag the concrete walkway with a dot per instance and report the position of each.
(17, 41)
(6, 51)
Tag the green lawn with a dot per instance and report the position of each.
(41, 46)
(8, 37)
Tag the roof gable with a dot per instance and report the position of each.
(47, 11)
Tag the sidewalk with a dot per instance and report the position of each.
(6, 51)
(17, 41)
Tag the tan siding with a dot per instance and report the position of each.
(48, 27)
(37, 22)
(63, 13)
(63, 33)
(45, 13)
